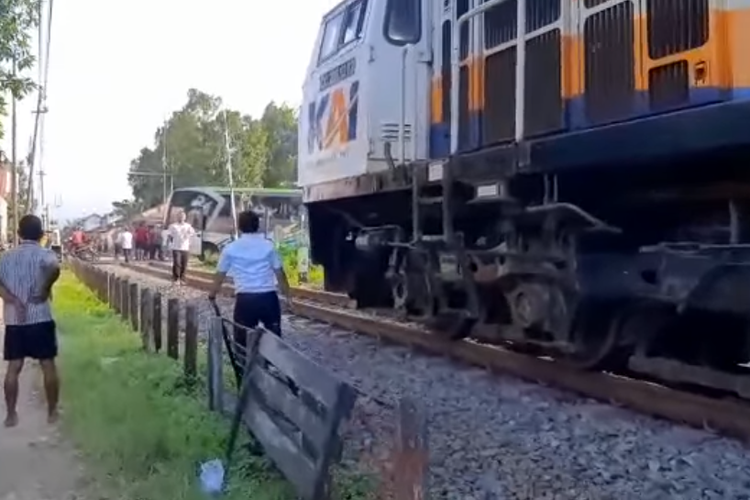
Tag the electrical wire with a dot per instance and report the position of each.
(41, 107)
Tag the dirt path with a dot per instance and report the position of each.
(35, 462)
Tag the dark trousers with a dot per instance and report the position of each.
(126, 252)
(35, 341)
(179, 264)
(253, 308)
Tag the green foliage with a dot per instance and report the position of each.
(17, 20)
(127, 208)
(288, 255)
(191, 145)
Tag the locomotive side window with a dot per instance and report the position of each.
(342, 29)
(331, 35)
(353, 21)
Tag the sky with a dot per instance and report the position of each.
(118, 69)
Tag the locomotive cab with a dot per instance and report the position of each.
(360, 109)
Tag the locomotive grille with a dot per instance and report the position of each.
(675, 26)
(500, 24)
(590, 4)
(543, 103)
(446, 73)
(541, 13)
(463, 108)
(499, 123)
(609, 61)
(499, 119)
(669, 85)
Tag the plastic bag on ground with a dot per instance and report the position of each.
(212, 477)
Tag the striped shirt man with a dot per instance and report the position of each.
(22, 271)
(27, 273)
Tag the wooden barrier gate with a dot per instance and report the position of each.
(292, 406)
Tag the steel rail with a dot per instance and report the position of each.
(727, 416)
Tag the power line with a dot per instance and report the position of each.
(41, 107)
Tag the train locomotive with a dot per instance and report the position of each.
(569, 178)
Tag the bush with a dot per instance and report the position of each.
(288, 255)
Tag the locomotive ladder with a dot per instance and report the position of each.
(451, 241)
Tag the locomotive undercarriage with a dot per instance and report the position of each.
(545, 275)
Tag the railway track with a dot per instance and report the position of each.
(727, 416)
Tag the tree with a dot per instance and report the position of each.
(127, 208)
(17, 20)
(192, 145)
(23, 199)
(280, 123)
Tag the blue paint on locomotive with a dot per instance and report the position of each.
(641, 127)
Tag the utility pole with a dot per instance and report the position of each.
(230, 177)
(165, 194)
(14, 158)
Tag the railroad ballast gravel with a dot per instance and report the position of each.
(494, 437)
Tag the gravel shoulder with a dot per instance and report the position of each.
(497, 437)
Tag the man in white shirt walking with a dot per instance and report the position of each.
(180, 233)
(126, 243)
(255, 266)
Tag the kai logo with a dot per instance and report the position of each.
(332, 118)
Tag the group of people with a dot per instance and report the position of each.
(152, 242)
(142, 242)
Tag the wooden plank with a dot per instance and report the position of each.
(173, 328)
(411, 459)
(133, 301)
(156, 320)
(277, 395)
(191, 342)
(310, 376)
(110, 290)
(124, 299)
(215, 365)
(296, 466)
(117, 286)
(146, 320)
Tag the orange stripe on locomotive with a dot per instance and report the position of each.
(716, 68)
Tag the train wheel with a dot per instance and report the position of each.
(452, 326)
(595, 338)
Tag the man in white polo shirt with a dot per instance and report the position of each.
(255, 266)
(180, 233)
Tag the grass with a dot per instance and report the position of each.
(142, 432)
